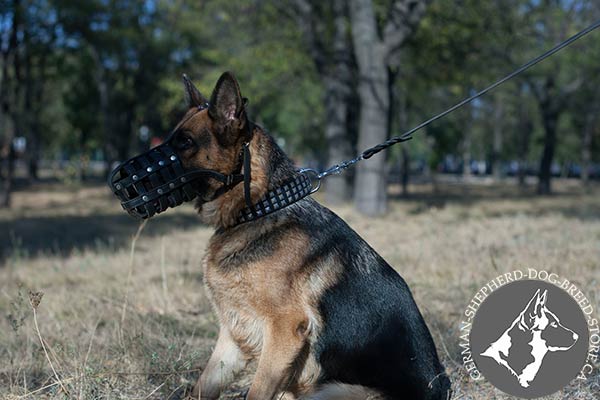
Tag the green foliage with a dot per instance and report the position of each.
(99, 70)
(461, 47)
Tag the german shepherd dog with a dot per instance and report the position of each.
(325, 316)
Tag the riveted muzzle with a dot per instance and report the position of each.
(153, 181)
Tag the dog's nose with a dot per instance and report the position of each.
(575, 336)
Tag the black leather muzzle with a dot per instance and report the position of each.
(153, 181)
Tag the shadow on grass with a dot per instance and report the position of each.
(61, 235)
(112, 229)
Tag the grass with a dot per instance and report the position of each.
(147, 336)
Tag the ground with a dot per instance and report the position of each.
(124, 324)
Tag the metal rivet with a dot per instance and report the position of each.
(135, 177)
(118, 187)
(172, 185)
(161, 163)
(145, 198)
(160, 191)
(173, 158)
(149, 169)
(183, 179)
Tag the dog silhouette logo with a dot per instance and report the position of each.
(529, 338)
(542, 330)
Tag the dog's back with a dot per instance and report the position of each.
(373, 333)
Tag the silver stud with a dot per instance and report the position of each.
(173, 158)
(145, 198)
(183, 179)
(172, 185)
(161, 163)
(135, 177)
(118, 187)
(149, 169)
(160, 191)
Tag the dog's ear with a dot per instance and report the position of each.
(530, 311)
(193, 97)
(540, 303)
(226, 102)
(535, 308)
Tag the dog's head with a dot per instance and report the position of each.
(200, 159)
(212, 137)
(537, 317)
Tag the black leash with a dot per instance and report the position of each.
(368, 153)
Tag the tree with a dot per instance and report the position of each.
(117, 56)
(553, 85)
(375, 45)
(326, 33)
(10, 95)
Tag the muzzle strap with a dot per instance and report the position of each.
(247, 178)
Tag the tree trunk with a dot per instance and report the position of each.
(38, 80)
(8, 104)
(338, 91)
(376, 48)
(337, 188)
(29, 115)
(398, 106)
(466, 145)
(550, 122)
(33, 151)
(525, 136)
(552, 102)
(5, 201)
(6, 138)
(370, 192)
(525, 129)
(370, 195)
(110, 151)
(497, 139)
(405, 171)
(586, 148)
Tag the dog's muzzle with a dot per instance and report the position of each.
(153, 181)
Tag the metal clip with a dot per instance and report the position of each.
(315, 179)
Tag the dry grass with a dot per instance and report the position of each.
(79, 256)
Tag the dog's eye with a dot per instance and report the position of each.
(184, 142)
(554, 325)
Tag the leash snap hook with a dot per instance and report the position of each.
(314, 176)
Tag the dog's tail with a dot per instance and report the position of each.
(341, 391)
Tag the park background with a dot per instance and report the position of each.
(510, 180)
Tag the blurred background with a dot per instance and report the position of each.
(510, 180)
(86, 84)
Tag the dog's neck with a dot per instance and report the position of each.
(269, 167)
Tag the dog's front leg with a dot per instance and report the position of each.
(283, 339)
(225, 361)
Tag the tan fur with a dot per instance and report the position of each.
(224, 158)
(224, 210)
(338, 391)
(269, 308)
(225, 362)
